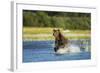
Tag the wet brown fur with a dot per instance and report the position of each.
(60, 40)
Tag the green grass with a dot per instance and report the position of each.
(37, 30)
(34, 33)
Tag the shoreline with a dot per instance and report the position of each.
(54, 39)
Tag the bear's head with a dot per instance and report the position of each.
(56, 33)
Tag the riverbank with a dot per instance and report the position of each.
(30, 33)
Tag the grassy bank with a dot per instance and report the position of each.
(46, 33)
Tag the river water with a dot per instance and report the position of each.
(43, 51)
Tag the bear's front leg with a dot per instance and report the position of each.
(55, 49)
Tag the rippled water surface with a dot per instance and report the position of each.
(39, 51)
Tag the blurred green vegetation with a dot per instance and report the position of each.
(39, 25)
(65, 20)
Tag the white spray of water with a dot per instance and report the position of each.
(69, 49)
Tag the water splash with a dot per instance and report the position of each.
(69, 49)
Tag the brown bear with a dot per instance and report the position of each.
(60, 40)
